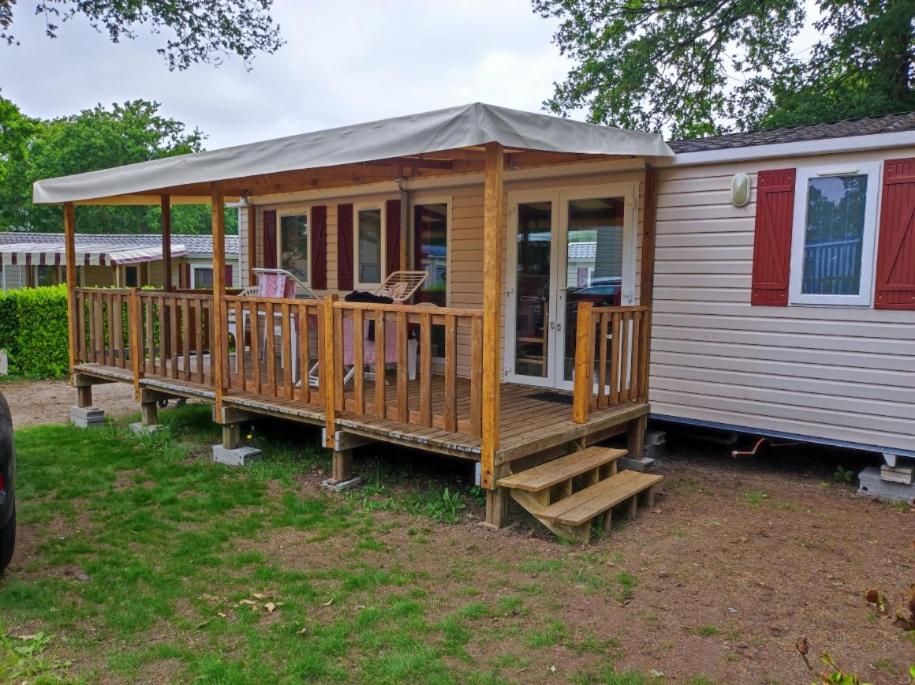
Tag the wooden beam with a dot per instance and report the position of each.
(493, 239)
(646, 284)
(252, 244)
(166, 204)
(218, 356)
(70, 243)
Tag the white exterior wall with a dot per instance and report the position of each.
(837, 374)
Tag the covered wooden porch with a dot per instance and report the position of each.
(299, 358)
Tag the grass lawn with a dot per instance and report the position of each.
(141, 561)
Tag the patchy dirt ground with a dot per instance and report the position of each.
(737, 561)
(37, 402)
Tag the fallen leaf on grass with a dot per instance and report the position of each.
(328, 602)
(249, 602)
(221, 615)
(270, 607)
(257, 595)
(203, 624)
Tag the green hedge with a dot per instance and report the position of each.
(33, 331)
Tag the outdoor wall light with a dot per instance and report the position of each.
(740, 190)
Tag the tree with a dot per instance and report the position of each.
(204, 30)
(98, 138)
(696, 67)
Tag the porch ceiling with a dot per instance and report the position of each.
(439, 143)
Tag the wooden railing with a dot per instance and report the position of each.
(611, 358)
(102, 329)
(407, 379)
(174, 330)
(275, 347)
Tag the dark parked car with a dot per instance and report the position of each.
(7, 490)
(603, 292)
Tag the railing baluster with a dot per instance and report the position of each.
(186, 336)
(304, 353)
(451, 418)
(403, 389)
(198, 339)
(425, 359)
(339, 372)
(381, 396)
(270, 348)
(172, 320)
(286, 352)
(615, 355)
(149, 362)
(634, 363)
(358, 362)
(476, 376)
(602, 361)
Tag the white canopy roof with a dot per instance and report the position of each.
(52, 254)
(446, 129)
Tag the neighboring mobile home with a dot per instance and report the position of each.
(128, 260)
(549, 244)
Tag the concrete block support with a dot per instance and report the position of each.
(231, 452)
(87, 417)
(872, 485)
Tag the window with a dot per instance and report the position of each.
(46, 275)
(430, 245)
(202, 277)
(369, 248)
(293, 245)
(834, 231)
(132, 276)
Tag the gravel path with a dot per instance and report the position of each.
(36, 402)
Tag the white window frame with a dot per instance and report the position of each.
(411, 247)
(865, 294)
(382, 248)
(201, 267)
(300, 211)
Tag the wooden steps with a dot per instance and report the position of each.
(568, 493)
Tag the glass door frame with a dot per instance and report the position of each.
(516, 198)
(559, 199)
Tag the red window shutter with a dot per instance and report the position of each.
(896, 243)
(392, 237)
(319, 247)
(228, 275)
(345, 247)
(772, 239)
(270, 239)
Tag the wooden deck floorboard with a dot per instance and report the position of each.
(528, 422)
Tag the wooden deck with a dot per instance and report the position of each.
(532, 420)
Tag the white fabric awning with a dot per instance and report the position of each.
(446, 129)
(45, 254)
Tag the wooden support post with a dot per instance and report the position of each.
(219, 352)
(166, 203)
(636, 436)
(84, 396)
(493, 239)
(328, 369)
(497, 507)
(252, 244)
(149, 413)
(70, 243)
(646, 284)
(584, 365)
(231, 435)
(342, 466)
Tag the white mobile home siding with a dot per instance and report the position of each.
(836, 374)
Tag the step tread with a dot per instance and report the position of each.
(559, 470)
(598, 498)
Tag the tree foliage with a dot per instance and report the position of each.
(201, 30)
(695, 67)
(97, 138)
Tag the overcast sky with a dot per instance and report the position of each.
(343, 62)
